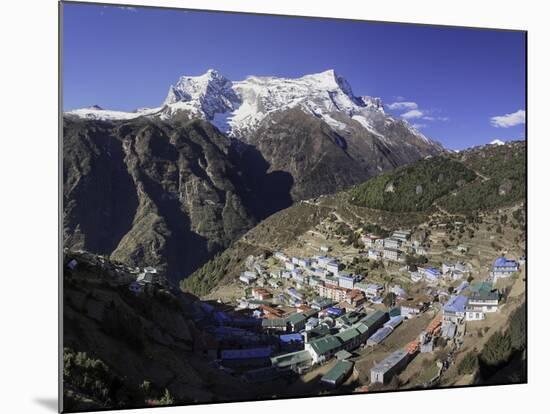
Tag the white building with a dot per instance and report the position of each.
(323, 261)
(392, 243)
(503, 267)
(392, 254)
(247, 277)
(148, 275)
(416, 276)
(481, 303)
(374, 254)
(402, 235)
(333, 268)
(281, 256)
(347, 281)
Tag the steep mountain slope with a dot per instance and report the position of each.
(501, 178)
(128, 350)
(147, 192)
(173, 185)
(475, 179)
(414, 187)
(434, 190)
(312, 128)
(322, 160)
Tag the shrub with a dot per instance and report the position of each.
(469, 364)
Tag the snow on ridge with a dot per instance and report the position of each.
(497, 142)
(95, 112)
(237, 108)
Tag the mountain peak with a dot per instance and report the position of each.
(330, 80)
(210, 92)
(238, 108)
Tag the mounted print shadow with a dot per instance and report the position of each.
(264, 207)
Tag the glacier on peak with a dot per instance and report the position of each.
(237, 108)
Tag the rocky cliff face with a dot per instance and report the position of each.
(321, 160)
(146, 192)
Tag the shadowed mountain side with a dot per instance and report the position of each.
(94, 170)
(271, 189)
(161, 195)
(322, 161)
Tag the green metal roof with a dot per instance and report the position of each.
(481, 287)
(343, 354)
(361, 328)
(338, 372)
(325, 344)
(373, 318)
(296, 318)
(273, 323)
(484, 295)
(293, 358)
(320, 330)
(350, 318)
(348, 334)
(361, 286)
(310, 313)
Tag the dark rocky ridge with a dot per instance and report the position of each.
(145, 192)
(322, 161)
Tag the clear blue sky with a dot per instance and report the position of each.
(459, 79)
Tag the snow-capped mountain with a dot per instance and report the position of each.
(497, 142)
(238, 108)
(98, 113)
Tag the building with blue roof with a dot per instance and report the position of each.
(248, 357)
(432, 274)
(379, 335)
(503, 267)
(454, 310)
(332, 311)
(291, 342)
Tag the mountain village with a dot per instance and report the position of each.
(317, 316)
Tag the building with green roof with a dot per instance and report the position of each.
(374, 321)
(322, 349)
(338, 374)
(296, 321)
(481, 287)
(348, 319)
(274, 325)
(395, 312)
(295, 361)
(343, 354)
(350, 338)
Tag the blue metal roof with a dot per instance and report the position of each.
(293, 337)
(381, 334)
(335, 311)
(456, 304)
(504, 262)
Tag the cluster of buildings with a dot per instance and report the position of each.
(391, 248)
(317, 311)
(501, 268)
